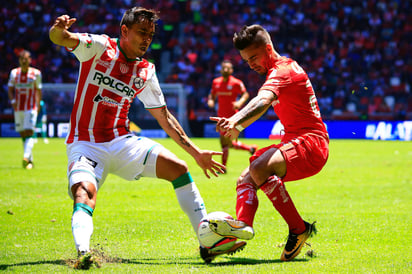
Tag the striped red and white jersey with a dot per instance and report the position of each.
(107, 85)
(25, 86)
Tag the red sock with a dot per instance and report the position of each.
(247, 203)
(276, 192)
(225, 155)
(240, 145)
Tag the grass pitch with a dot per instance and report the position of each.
(361, 201)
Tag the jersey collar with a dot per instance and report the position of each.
(125, 56)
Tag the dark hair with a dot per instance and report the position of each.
(137, 15)
(251, 35)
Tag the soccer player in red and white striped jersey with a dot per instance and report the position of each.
(24, 90)
(112, 74)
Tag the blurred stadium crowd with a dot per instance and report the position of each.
(357, 53)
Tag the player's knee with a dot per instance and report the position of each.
(258, 174)
(176, 169)
(245, 180)
(181, 167)
(84, 192)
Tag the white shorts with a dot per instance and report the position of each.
(25, 120)
(129, 156)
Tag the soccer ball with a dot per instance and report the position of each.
(210, 239)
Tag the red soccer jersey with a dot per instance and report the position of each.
(227, 93)
(108, 82)
(25, 87)
(296, 106)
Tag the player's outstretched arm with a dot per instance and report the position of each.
(59, 33)
(172, 127)
(246, 116)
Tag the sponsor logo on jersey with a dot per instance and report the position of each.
(138, 82)
(114, 84)
(106, 101)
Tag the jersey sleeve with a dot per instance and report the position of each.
(89, 46)
(276, 80)
(152, 96)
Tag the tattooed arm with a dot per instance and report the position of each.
(172, 127)
(246, 116)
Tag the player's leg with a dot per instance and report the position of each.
(225, 143)
(84, 180)
(29, 124)
(84, 201)
(267, 170)
(171, 168)
(279, 160)
(236, 144)
(246, 206)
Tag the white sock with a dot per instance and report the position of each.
(82, 229)
(191, 203)
(28, 148)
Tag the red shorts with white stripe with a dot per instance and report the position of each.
(304, 155)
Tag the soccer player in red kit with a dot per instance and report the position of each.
(112, 74)
(24, 90)
(227, 89)
(302, 152)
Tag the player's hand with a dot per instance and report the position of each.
(227, 126)
(64, 22)
(237, 105)
(206, 162)
(211, 104)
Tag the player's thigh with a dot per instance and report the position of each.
(267, 164)
(305, 156)
(86, 163)
(169, 166)
(30, 117)
(19, 121)
(132, 157)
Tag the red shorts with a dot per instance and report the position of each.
(304, 155)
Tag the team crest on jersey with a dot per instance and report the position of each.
(124, 68)
(229, 87)
(138, 82)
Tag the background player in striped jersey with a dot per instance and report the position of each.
(302, 152)
(112, 74)
(231, 95)
(25, 86)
